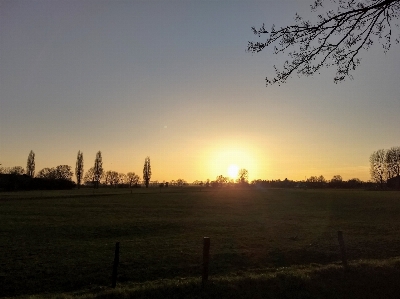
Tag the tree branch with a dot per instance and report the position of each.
(356, 28)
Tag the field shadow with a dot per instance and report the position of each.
(365, 279)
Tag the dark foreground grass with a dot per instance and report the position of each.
(65, 241)
(363, 279)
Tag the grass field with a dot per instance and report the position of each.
(61, 241)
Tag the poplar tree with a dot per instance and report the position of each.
(30, 164)
(97, 169)
(147, 171)
(79, 168)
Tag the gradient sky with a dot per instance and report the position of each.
(172, 80)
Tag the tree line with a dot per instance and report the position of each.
(60, 177)
(384, 170)
(96, 174)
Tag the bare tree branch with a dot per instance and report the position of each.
(336, 39)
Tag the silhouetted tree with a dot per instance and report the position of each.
(312, 179)
(132, 179)
(97, 169)
(336, 181)
(111, 178)
(220, 181)
(63, 172)
(30, 164)
(107, 177)
(337, 178)
(88, 179)
(316, 182)
(16, 170)
(378, 167)
(123, 179)
(147, 171)
(79, 168)
(335, 39)
(115, 179)
(393, 162)
(46, 173)
(181, 182)
(243, 176)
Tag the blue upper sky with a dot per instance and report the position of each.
(172, 80)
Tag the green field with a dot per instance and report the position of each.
(62, 241)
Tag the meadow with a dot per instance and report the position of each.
(63, 241)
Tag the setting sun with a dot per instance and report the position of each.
(233, 171)
(226, 157)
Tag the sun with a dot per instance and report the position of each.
(233, 171)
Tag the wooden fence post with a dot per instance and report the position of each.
(115, 266)
(206, 259)
(342, 249)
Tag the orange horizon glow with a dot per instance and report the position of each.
(202, 162)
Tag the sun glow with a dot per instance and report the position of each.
(233, 171)
(226, 158)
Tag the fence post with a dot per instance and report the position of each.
(206, 259)
(115, 266)
(342, 249)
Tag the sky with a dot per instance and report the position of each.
(172, 80)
